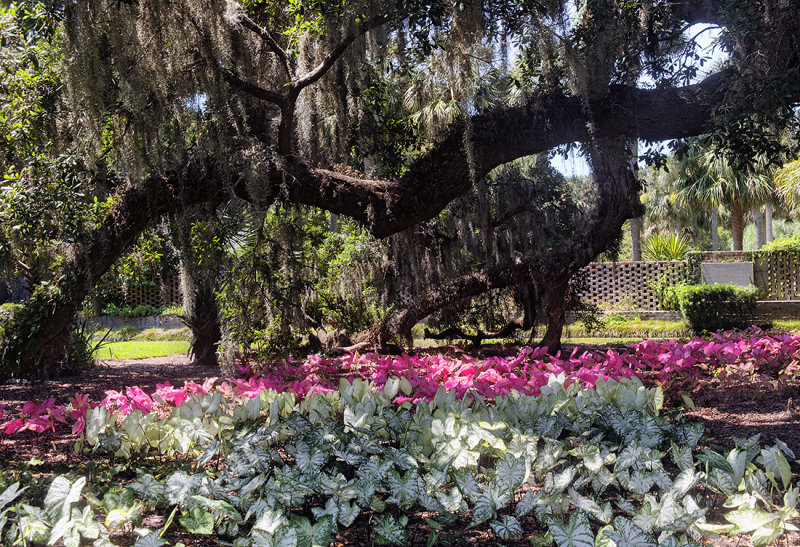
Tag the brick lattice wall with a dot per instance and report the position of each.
(627, 284)
(156, 295)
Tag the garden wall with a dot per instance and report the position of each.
(626, 285)
(154, 293)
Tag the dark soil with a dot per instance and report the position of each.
(737, 410)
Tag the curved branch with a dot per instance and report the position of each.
(320, 70)
(251, 89)
(271, 42)
(500, 136)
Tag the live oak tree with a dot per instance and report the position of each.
(203, 101)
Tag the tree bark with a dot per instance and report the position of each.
(636, 238)
(556, 316)
(768, 211)
(737, 225)
(201, 315)
(759, 228)
(714, 230)
(39, 329)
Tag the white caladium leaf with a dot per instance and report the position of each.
(483, 510)
(507, 529)
(270, 520)
(575, 533)
(180, 484)
(590, 506)
(685, 481)
(766, 534)
(737, 460)
(669, 511)
(712, 530)
(748, 520)
(285, 537)
(348, 513)
(10, 494)
(450, 500)
(527, 503)
(629, 456)
(392, 530)
(316, 535)
(152, 539)
(790, 497)
(627, 534)
(775, 462)
(646, 517)
(198, 521)
(722, 480)
(561, 481)
(742, 498)
(592, 459)
(602, 540)
(511, 472)
(61, 495)
(689, 434)
(681, 456)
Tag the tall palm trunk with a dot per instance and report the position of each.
(768, 221)
(715, 230)
(737, 225)
(636, 238)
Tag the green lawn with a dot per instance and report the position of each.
(140, 349)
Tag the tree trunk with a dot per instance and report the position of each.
(714, 230)
(556, 316)
(34, 341)
(636, 238)
(618, 201)
(201, 315)
(758, 227)
(737, 225)
(768, 222)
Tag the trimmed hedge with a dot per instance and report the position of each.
(709, 308)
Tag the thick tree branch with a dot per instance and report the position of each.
(500, 136)
(251, 89)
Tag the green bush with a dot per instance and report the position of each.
(667, 293)
(142, 310)
(715, 307)
(666, 247)
(788, 243)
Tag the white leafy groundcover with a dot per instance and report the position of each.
(574, 467)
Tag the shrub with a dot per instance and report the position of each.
(665, 247)
(667, 294)
(788, 243)
(142, 310)
(715, 307)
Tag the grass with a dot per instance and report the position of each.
(140, 349)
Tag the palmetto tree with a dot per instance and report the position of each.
(707, 179)
(787, 184)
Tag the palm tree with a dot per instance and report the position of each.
(707, 179)
(787, 183)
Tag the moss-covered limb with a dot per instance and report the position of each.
(35, 339)
(618, 200)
